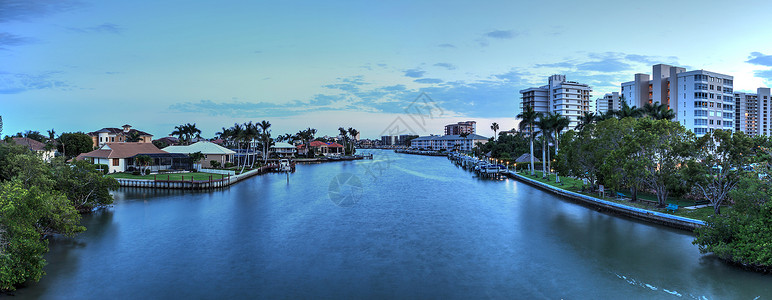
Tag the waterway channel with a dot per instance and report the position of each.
(398, 226)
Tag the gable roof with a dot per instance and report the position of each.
(334, 144)
(122, 150)
(203, 147)
(282, 145)
(30, 143)
(116, 131)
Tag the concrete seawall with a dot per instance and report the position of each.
(190, 184)
(616, 208)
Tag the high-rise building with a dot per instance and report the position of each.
(610, 101)
(702, 100)
(469, 127)
(752, 112)
(568, 98)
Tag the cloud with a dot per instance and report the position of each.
(14, 83)
(446, 46)
(766, 74)
(415, 73)
(501, 34)
(652, 60)
(758, 58)
(23, 10)
(511, 76)
(8, 39)
(103, 28)
(428, 80)
(607, 65)
(564, 64)
(448, 66)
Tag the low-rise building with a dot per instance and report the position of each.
(119, 157)
(284, 149)
(322, 148)
(211, 151)
(37, 147)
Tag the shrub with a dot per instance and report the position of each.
(229, 165)
(214, 163)
(136, 173)
(103, 168)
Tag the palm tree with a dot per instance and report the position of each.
(353, 133)
(626, 111)
(559, 123)
(495, 128)
(264, 125)
(464, 135)
(650, 110)
(664, 113)
(344, 138)
(527, 120)
(237, 134)
(586, 119)
(251, 132)
(179, 131)
(545, 125)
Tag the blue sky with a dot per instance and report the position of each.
(85, 65)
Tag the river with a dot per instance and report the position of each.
(397, 226)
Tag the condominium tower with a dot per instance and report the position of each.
(610, 101)
(752, 112)
(568, 98)
(469, 127)
(702, 100)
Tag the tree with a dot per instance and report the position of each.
(25, 215)
(527, 120)
(742, 235)
(545, 125)
(495, 128)
(344, 138)
(354, 133)
(143, 161)
(586, 119)
(559, 123)
(718, 164)
(1, 126)
(628, 112)
(73, 144)
(623, 162)
(196, 157)
(464, 135)
(663, 146)
(133, 137)
(266, 137)
(85, 186)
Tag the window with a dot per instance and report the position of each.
(699, 86)
(112, 139)
(700, 122)
(710, 122)
(116, 162)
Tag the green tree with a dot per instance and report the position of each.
(528, 119)
(718, 164)
(133, 137)
(545, 124)
(144, 161)
(85, 186)
(266, 138)
(587, 118)
(196, 157)
(72, 144)
(25, 215)
(495, 128)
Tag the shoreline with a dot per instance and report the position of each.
(649, 216)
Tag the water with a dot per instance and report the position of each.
(411, 227)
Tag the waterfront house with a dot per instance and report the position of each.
(210, 150)
(322, 148)
(119, 157)
(283, 149)
(118, 135)
(37, 147)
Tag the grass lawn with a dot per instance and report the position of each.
(163, 177)
(575, 185)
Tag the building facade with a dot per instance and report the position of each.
(610, 101)
(447, 142)
(702, 100)
(752, 112)
(118, 135)
(469, 127)
(568, 98)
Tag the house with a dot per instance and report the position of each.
(119, 157)
(210, 150)
(118, 135)
(166, 141)
(322, 148)
(283, 149)
(37, 147)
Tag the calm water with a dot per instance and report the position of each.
(410, 227)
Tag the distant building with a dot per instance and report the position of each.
(752, 112)
(447, 142)
(702, 100)
(610, 101)
(389, 140)
(322, 148)
(211, 151)
(469, 127)
(568, 98)
(284, 149)
(118, 135)
(37, 147)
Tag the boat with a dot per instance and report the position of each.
(284, 165)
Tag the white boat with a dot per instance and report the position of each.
(284, 165)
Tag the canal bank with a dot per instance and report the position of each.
(615, 208)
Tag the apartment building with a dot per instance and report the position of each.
(568, 98)
(752, 112)
(469, 127)
(702, 100)
(610, 101)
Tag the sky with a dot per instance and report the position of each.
(85, 65)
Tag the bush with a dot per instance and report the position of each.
(135, 173)
(229, 165)
(214, 163)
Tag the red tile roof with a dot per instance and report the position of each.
(334, 144)
(30, 143)
(122, 150)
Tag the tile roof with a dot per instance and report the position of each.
(117, 131)
(122, 150)
(335, 145)
(30, 143)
